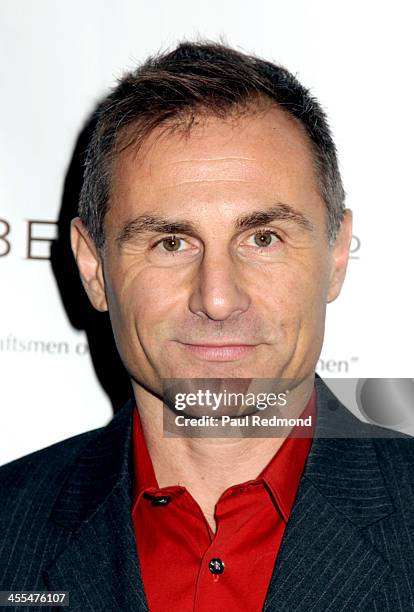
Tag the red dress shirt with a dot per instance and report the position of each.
(185, 566)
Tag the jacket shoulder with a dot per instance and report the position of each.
(396, 455)
(47, 494)
(394, 450)
(47, 464)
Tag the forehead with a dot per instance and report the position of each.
(245, 159)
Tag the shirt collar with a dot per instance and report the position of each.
(283, 472)
(281, 475)
(144, 474)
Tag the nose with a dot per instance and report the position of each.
(217, 293)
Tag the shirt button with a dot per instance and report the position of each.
(160, 500)
(216, 566)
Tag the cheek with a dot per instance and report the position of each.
(280, 289)
(144, 303)
(291, 297)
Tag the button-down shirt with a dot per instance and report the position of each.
(185, 566)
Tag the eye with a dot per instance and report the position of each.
(263, 239)
(171, 244)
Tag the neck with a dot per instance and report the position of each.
(202, 464)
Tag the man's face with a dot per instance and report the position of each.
(217, 262)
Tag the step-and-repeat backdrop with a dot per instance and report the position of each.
(59, 58)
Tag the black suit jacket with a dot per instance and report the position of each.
(65, 521)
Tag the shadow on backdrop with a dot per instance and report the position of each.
(82, 316)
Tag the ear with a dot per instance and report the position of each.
(340, 256)
(89, 263)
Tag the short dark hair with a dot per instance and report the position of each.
(200, 78)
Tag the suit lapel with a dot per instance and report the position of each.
(99, 567)
(326, 562)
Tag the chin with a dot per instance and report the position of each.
(221, 370)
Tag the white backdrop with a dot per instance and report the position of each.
(58, 58)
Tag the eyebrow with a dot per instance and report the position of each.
(278, 212)
(160, 225)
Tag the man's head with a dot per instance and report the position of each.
(212, 212)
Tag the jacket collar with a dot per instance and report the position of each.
(104, 463)
(96, 558)
(327, 559)
(343, 462)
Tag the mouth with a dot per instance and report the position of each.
(225, 351)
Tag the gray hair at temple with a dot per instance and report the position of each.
(200, 79)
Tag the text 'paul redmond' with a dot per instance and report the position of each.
(249, 420)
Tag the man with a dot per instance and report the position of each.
(212, 227)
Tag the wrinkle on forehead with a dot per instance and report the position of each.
(276, 120)
(266, 152)
(213, 159)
